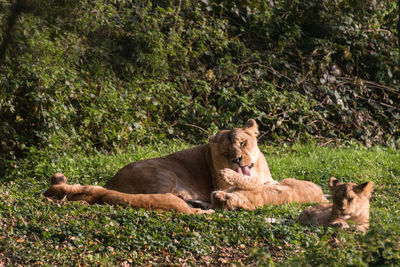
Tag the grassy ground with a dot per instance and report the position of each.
(36, 231)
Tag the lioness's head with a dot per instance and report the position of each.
(236, 149)
(349, 199)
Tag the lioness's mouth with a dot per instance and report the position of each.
(246, 170)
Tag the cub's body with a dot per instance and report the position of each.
(350, 204)
(247, 193)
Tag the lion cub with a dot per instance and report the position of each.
(248, 193)
(350, 203)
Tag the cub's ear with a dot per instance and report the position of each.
(333, 182)
(365, 189)
(251, 127)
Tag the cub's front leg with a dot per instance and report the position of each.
(238, 180)
(229, 176)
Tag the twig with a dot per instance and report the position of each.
(378, 30)
(398, 23)
(377, 102)
(186, 106)
(195, 126)
(177, 13)
(366, 82)
(261, 136)
(15, 11)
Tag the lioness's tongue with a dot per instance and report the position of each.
(244, 170)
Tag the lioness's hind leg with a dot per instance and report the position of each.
(58, 188)
(96, 194)
(76, 192)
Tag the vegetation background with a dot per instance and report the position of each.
(108, 74)
(99, 77)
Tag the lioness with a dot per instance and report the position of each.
(189, 175)
(248, 193)
(350, 203)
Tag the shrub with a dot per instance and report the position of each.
(104, 74)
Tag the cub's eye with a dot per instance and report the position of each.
(226, 154)
(243, 144)
(349, 199)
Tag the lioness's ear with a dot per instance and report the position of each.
(365, 189)
(213, 139)
(251, 127)
(333, 182)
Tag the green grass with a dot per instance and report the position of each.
(34, 230)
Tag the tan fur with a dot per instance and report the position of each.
(93, 194)
(249, 194)
(170, 182)
(350, 203)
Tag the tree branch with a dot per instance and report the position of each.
(15, 11)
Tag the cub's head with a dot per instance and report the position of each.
(350, 199)
(236, 149)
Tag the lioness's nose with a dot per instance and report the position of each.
(237, 160)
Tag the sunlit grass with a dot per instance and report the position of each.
(34, 230)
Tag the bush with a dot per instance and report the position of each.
(104, 74)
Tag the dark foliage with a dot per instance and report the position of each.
(104, 74)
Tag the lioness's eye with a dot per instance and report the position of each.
(243, 144)
(225, 154)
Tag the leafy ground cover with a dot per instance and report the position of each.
(36, 231)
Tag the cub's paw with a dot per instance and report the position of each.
(220, 199)
(340, 224)
(201, 211)
(362, 228)
(219, 196)
(228, 175)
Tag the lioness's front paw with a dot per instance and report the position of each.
(194, 203)
(228, 175)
